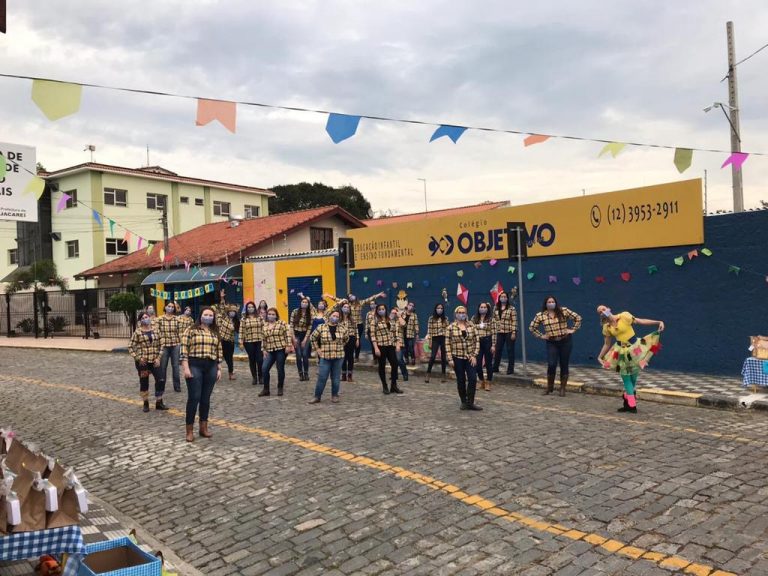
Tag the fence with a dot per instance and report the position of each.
(48, 314)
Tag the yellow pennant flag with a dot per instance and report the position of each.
(162, 255)
(683, 159)
(614, 148)
(149, 249)
(36, 186)
(56, 99)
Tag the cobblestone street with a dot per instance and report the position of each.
(406, 484)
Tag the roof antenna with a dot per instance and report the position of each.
(90, 148)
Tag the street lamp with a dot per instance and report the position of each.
(723, 107)
(425, 193)
(733, 122)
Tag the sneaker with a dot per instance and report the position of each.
(335, 399)
(314, 401)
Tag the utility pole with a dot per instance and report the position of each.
(425, 193)
(733, 102)
(164, 220)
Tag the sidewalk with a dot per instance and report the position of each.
(686, 388)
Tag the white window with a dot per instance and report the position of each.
(115, 197)
(220, 208)
(199, 202)
(72, 202)
(252, 211)
(116, 247)
(73, 249)
(156, 201)
(13, 257)
(184, 200)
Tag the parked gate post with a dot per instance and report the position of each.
(35, 315)
(8, 314)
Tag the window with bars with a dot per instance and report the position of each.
(320, 238)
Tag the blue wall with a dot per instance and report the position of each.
(709, 313)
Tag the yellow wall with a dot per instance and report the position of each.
(248, 282)
(323, 267)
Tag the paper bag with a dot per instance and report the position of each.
(759, 347)
(32, 502)
(66, 515)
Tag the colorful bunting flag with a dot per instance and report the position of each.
(706, 251)
(652, 269)
(614, 149)
(460, 273)
(600, 279)
(62, 203)
(478, 265)
(341, 126)
(316, 280)
(409, 285)
(162, 255)
(531, 275)
(149, 249)
(679, 260)
(111, 227)
(425, 283)
(379, 283)
(736, 159)
(462, 293)
(35, 186)
(535, 139)
(138, 246)
(3, 166)
(692, 254)
(496, 289)
(365, 279)
(683, 159)
(493, 262)
(352, 274)
(511, 269)
(453, 132)
(97, 217)
(576, 280)
(186, 265)
(221, 110)
(552, 279)
(734, 270)
(626, 276)
(56, 99)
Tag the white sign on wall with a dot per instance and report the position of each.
(20, 168)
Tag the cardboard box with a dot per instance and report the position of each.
(119, 557)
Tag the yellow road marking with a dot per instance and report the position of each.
(473, 500)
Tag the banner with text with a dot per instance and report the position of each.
(649, 217)
(16, 202)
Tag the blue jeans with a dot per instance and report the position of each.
(505, 339)
(302, 353)
(559, 352)
(146, 370)
(270, 358)
(360, 332)
(332, 367)
(401, 363)
(466, 380)
(200, 388)
(255, 359)
(485, 357)
(410, 349)
(173, 353)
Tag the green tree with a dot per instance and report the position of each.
(126, 302)
(40, 274)
(303, 196)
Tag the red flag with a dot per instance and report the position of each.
(496, 289)
(462, 293)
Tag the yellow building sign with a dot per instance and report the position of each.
(648, 217)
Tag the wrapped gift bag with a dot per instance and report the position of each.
(120, 557)
(759, 347)
(32, 502)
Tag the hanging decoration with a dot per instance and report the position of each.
(652, 269)
(531, 275)
(56, 99)
(462, 293)
(496, 289)
(62, 203)
(736, 159)
(612, 148)
(535, 139)
(552, 279)
(626, 276)
(683, 159)
(453, 132)
(341, 126)
(221, 110)
(576, 280)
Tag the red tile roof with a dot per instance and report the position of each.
(435, 214)
(214, 243)
(153, 173)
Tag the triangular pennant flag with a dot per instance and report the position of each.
(692, 254)
(379, 283)
(409, 285)
(478, 265)
(683, 159)
(186, 265)
(493, 262)
(425, 283)
(352, 274)
(365, 279)
(3, 167)
(736, 159)
(706, 251)
(62, 203)
(462, 293)
(162, 255)
(453, 132)
(56, 99)
(35, 186)
(614, 148)
(531, 275)
(316, 280)
(652, 269)
(341, 126)
(626, 276)
(600, 279)
(511, 269)
(679, 260)
(149, 249)
(553, 279)
(576, 280)
(535, 139)
(460, 273)
(734, 270)
(127, 236)
(496, 289)
(111, 227)
(221, 110)
(97, 217)
(141, 241)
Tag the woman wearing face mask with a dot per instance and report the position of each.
(370, 322)
(201, 356)
(301, 322)
(436, 335)
(329, 341)
(185, 320)
(387, 340)
(554, 320)
(397, 317)
(353, 343)
(276, 344)
(145, 349)
(356, 309)
(319, 315)
(150, 311)
(251, 335)
(411, 332)
(262, 309)
(463, 347)
(227, 325)
(169, 331)
(506, 317)
(629, 354)
(486, 324)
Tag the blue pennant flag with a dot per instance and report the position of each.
(453, 132)
(97, 217)
(341, 126)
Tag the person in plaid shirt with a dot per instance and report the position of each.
(370, 321)
(169, 331)
(227, 324)
(411, 333)
(554, 320)
(301, 322)
(356, 309)
(398, 316)
(353, 343)
(463, 346)
(251, 334)
(506, 317)
(201, 356)
(387, 338)
(185, 320)
(436, 326)
(329, 341)
(145, 349)
(487, 326)
(275, 346)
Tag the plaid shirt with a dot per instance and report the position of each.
(277, 336)
(487, 327)
(411, 325)
(383, 334)
(169, 330)
(299, 322)
(185, 322)
(349, 325)
(326, 345)
(436, 326)
(356, 308)
(200, 343)
(251, 328)
(554, 327)
(370, 320)
(224, 323)
(457, 345)
(145, 345)
(507, 320)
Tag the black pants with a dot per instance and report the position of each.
(228, 349)
(409, 350)
(255, 359)
(485, 358)
(360, 332)
(466, 380)
(200, 388)
(438, 342)
(504, 339)
(559, 351)
(387, 354)
(144, 371)
(350, 350)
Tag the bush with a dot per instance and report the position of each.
(126, 302)
(26, 325)
(57, 324)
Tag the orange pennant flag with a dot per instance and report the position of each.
(692, 254)
(535, 139)
(221, 110)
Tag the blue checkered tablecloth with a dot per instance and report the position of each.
(56, 541)
(755, 372)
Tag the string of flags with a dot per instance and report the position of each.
(58, 99)
(179, 295)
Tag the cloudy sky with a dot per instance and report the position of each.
(621, 70)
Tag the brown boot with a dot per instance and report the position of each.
(550, 384)
(563, 384)
(204, 429)
(487, 384)
(190, 433)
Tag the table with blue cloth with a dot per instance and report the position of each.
(755, 372)
(55, 541)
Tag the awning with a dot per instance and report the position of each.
(15, 273)
(205, 274)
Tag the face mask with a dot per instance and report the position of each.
(304, 305)
(393, 316)
(187, 312)
(345, 309)
(352, 298)
(170, 309)
(232, 314)
(271, 317)
(382, 313)
(483, 310)
(321, 306)
(410, 308)
(503, 300)
(151, 311)
(207, 320)
(439, 312)
(250, 309)
(551, 305)
(146, 321)
(607, 313)
(263, 306)
(461, 316)
(333, 319)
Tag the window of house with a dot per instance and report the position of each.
(156, 201)
(72, 202)
(220, 208)
(13, 257)
(198, 201)
(320, 238)
(115, 197)
(116, 247)
(184, 199)
(73, 249)
(252, 211)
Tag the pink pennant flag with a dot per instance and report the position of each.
(141, 241)
(63, 202)
(693, 254)
(162, 255)
(462, 293)
(535, 139)
(496, 289)
(221, 110)
(553, 279)
(576, 280)
(736, 159)
(186, 265)
(127, 237)
(493, 262)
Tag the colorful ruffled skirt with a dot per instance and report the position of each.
(628, 358)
